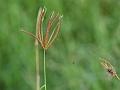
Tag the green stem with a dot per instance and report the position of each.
(37, 66)
(45, 71)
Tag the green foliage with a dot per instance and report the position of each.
(90, 29)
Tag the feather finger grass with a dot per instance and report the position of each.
(45, 40)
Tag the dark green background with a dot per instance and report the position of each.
(90, 29)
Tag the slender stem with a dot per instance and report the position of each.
(45, 82)
(37, 66)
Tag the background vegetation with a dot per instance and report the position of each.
(90, 29)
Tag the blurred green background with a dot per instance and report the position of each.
(90, 29)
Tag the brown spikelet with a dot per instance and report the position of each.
(40, 19)
(29, 33)
(55, 31)
(54, 34)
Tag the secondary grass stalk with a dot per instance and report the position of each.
(37, 66)
(45, 81)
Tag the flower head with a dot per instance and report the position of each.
(109, 68)
(52, 28)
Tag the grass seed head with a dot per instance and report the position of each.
(53, 26)
(109, 68)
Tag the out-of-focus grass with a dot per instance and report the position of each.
(90, 29)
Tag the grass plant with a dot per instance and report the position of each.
(45, 40)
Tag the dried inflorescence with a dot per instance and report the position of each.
(52, 30)
(109, 68)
